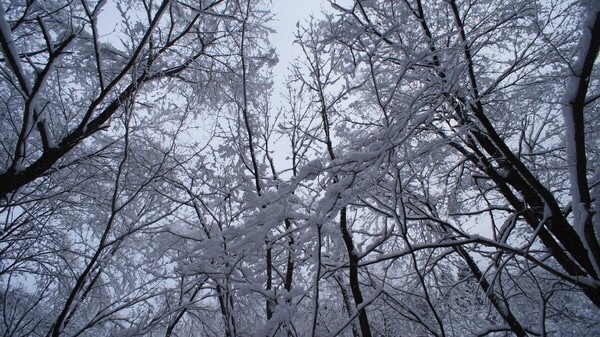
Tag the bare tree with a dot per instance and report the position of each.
(64, 82)
(454, 132)
(442, 174)
(84, 246)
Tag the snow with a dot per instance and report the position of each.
(310, 170)
(394, 179)
(11, 52)
(572, 89)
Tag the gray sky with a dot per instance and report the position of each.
(286, 14)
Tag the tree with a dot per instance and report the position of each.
(441, 180)
(49, 47)
(95, 132)
(454, 123)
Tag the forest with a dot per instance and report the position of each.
(427, 168)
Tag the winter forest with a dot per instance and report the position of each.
(426, 168)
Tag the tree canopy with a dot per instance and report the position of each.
(433, 168)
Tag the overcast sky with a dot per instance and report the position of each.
(286, 14)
